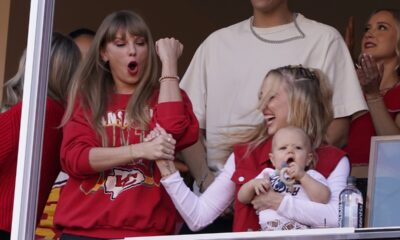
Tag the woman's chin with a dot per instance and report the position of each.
(271, 130)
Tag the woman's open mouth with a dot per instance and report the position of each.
(133, 68)
(269, 119)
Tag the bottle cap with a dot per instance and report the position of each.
(351, 180)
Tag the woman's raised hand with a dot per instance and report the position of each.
(169, 49)
(369, 75)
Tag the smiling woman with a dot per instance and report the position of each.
(114, 103)
(291, 95)
(379, 76)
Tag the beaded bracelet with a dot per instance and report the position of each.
(168, 77)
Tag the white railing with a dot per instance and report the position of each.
(32, 119)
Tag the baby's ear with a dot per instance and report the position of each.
(271, 157)
(310, 160)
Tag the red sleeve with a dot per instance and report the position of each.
(79, 137)
(178, 119)
(9, 131)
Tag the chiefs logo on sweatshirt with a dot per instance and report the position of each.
(122, 179)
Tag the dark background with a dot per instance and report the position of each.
(191, 21)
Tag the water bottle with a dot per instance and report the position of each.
(351, 205)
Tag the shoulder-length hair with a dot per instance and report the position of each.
(64, 61)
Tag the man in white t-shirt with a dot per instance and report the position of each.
(226, 72)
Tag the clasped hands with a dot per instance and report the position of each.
(159, 144)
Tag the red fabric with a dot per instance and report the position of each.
(249, 166)
(362, 129)
(9, 132)
(125, 201)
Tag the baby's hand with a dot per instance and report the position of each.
(295, 171)
(261, 185)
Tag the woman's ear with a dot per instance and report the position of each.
(103, 55)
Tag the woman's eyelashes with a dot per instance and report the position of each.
(381, 27)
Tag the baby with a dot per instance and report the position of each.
(293, 158)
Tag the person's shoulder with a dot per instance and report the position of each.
(328, 149)
(318, 28)
(54, 104)
(227, 32)
(54, 111)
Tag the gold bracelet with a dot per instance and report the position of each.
(168, 77)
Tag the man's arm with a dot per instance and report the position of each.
(338, 132)
(196, 159)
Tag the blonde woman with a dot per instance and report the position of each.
(114, 189)
(291, 95)
(64, 59)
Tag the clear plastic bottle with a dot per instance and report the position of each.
(351, 205)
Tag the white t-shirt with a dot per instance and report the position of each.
(269, 219)
(227, 70)
(200, 211)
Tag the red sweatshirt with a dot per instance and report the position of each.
(124, 201)
(362, 129)
(9, 139)
(248, 167)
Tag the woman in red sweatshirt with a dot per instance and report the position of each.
(64, 59)
(114, 188)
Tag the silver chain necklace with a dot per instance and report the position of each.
(302, 35)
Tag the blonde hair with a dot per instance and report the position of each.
(310, 104)
(94, 81)
(64, 60)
